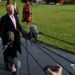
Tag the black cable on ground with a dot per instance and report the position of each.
(27, 59)
(57, 54)
(53, 59)
(34, 59)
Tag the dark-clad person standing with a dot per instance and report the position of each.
(16, 11)
(10, 23)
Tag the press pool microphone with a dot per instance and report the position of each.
(33, 33)
(17, 63)
(10, 36)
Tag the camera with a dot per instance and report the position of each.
(53, 68)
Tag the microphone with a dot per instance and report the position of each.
(33, 34)
(17, 63)
(10, 38)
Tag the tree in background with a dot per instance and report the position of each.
(47, 1)
(8, 1)
(73, 1)
(61, 1)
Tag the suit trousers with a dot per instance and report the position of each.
(8, 61)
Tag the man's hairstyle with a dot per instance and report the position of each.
(9, 5)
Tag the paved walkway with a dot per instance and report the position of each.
(39, 57)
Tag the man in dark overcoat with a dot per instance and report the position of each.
(10, 22)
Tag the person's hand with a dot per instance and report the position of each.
(14, 71)
(13, 68)
(59, 72)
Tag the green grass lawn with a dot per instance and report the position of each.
(54, 20)
(58, 22)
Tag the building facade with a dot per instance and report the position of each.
(57, 1)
